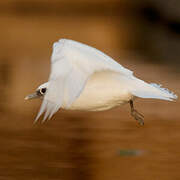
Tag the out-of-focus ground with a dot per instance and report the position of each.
(142, 36)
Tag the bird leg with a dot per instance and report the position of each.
(137, 116)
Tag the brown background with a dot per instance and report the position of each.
(143, 36)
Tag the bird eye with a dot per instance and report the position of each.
(43, 90)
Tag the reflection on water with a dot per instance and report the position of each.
(130, 152)
(73, 146)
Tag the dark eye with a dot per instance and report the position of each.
(43, 90)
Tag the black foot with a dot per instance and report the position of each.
(137, 116)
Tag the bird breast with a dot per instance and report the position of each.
(104, 90)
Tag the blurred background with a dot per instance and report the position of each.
(143, 36)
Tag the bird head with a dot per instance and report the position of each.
(39, 93)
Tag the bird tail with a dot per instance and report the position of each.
(142, 89)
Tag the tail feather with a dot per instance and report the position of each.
(165, 90)
(142, 89)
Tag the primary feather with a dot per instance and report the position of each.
(79, 72)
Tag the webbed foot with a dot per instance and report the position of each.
(137, 116)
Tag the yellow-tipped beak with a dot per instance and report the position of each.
(31, 96)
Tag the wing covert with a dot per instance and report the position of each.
(72, 63)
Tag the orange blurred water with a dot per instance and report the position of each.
(81, 145)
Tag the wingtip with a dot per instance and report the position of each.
(44, 119)
(36, 120)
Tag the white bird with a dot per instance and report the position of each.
(84, 78)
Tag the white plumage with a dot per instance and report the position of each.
(84, 78)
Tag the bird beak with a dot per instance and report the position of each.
(31, 96)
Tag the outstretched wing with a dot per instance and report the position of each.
(72, 63)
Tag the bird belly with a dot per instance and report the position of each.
(103, 91)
